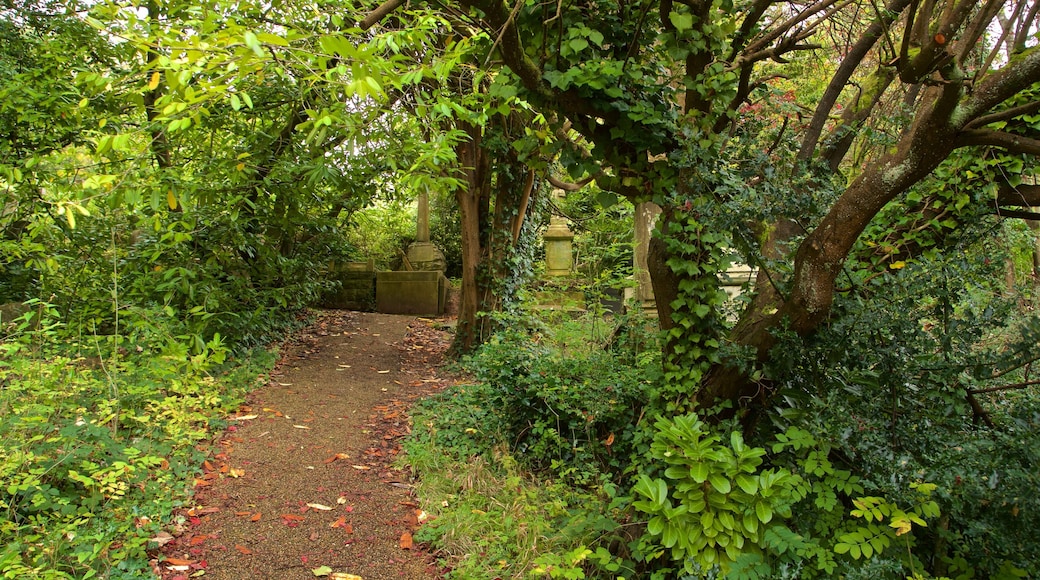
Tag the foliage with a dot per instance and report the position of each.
(382, 233)
(928, 385)
(99, 445)
(490, 519)
(571, 415)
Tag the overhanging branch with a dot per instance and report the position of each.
(1009, 141)
(380, 12)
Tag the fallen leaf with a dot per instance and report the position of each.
(236, 472)
(341, 500)
(177, 562)
(207, 466)
(301, 426)
(244, 417)
(337, 456)
(361, 467)
(344, 576)
(340, 522)
(162, 538)
(322, 571)
(292, 517)
(255, 517)
(383, 372)
(244, 550)
(196, 540)
(319, 507)
(406, 541)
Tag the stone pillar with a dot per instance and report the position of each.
(559, 259)
(645, 219)
(422, 254)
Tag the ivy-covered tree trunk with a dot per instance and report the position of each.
(493, 208)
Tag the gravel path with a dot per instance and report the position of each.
(302, 483)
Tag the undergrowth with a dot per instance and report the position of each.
(99, 447)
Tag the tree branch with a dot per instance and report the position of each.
(1010, 387)
(1009, 141)
(1021, 196)
(1015, 214)
(379, 13)
(1007, 115)
(845, 71)
(568, 186)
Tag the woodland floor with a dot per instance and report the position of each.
(303, 481)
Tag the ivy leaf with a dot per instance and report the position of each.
(606, 199)
(681, 22)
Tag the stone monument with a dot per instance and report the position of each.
(422, 254)
(559, 260)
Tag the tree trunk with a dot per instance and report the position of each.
(475, 164)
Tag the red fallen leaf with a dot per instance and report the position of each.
(242, 513)
(406, 541)
(207, 466)
(292, 517)
(349, 528)
(196, 540)
(202, 483)
(255, 517)
(244, 550)
(177, 562)
(340, 522)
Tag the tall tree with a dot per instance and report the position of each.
(656, 88)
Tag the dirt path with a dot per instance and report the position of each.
(302, 482)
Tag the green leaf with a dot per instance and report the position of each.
(720, 482)
(272, 39)
(321, 571)
(578, 44)
(699, 472)
(764, 512)
(681, 22)
(747, 483)
(606, 199)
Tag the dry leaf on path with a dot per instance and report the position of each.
(244, 550)
(406, 541)
(319, 507)
(337, 456)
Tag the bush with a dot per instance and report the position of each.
(574, 415)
